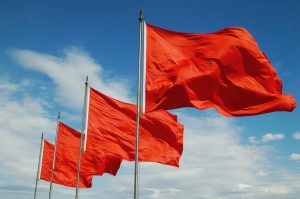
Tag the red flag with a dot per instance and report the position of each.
(47, 160)
(64, 173)
(92, 163)
(223, 70)
(111, 129)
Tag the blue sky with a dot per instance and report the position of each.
(48, 47)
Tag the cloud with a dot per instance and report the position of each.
(295, 156)
(271, 137)
(266, 138)
(253, 140)
(7, 86)
(21, 123)
(69, 72)
(261, 173)
(296, 135)
(215, 163)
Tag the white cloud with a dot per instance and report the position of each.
(215, 164)
(253, 140)
(266, 138)
(21, 123)
(295, 156)
(69, 72)
(261, 173)
(296, 135)
(244, 186)
(277, 190)
(7, 86)
(271, 137)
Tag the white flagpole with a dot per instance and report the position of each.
(87, 102)
(54, 157)
(39, 167)
(138, 112)
(144, 67)
(81, 136)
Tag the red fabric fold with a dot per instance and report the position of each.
(111, 129)
(65, 173)
(224, 70)
(92, 163)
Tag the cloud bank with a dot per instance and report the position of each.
(215, 163)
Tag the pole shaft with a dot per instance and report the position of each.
(54, 157)
(138, 110)
(81, 138)
(39, 167)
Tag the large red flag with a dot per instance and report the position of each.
(64, 174)
(92, 163)
(225, 70)
(111, 129)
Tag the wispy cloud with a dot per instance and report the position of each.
(295, 156)
(271, 137)
(266, 138)
(296, 135)
(69, 72)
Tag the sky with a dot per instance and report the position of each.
(48, 47)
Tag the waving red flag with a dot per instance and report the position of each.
(111, 129)
(223, 70)
(64, 173)
(92, 163)
(47, 160)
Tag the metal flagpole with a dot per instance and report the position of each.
(144, 68)
(54, 157)
(138, 110)
(81, 136)
(39, 167)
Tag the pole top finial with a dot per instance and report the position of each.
(141, 15)
(87, 79)
(42, 135)
(58, 115)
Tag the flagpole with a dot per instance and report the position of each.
(138, 110)
(81, 136)
(39, 167)
(54, 156)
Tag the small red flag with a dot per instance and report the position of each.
(47, 160)
(111, 129)
(224, 70)
(64, 173)
(92, 163)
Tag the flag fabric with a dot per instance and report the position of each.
(64, 174)
(92, 163)
(112, 125)
(47, 160)
(224, 70)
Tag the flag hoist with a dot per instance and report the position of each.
(39, 166)
(54, 157)
(83, 128)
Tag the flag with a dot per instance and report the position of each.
(47, 160)
(64, 173)
(112, 125)
(224, 70)
(92, 163)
